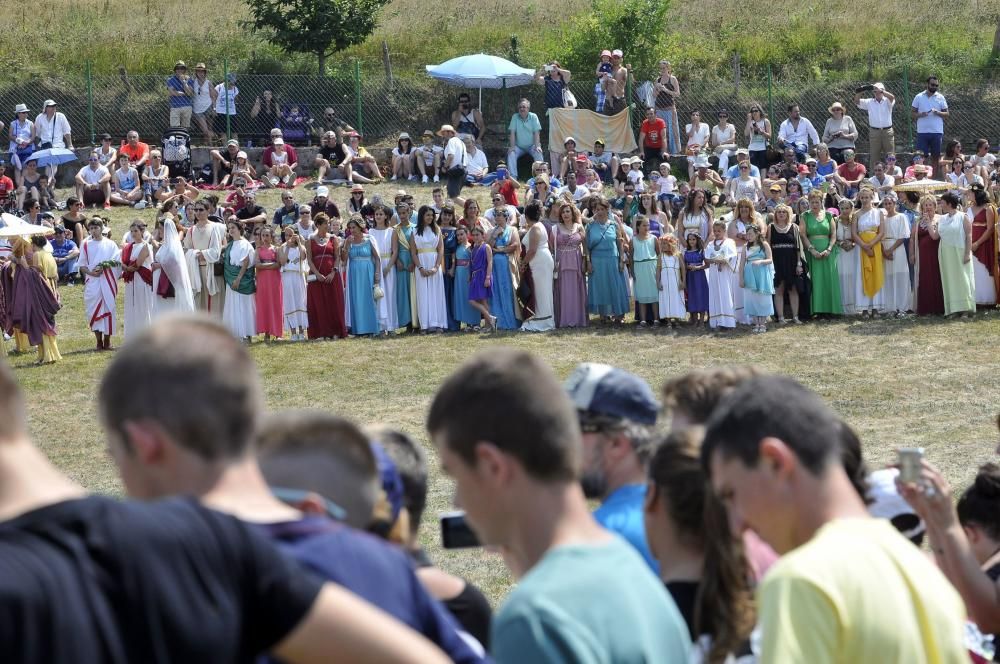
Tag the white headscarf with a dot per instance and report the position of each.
(171, 260)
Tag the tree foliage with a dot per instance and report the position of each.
(319, 27)
(638, 27)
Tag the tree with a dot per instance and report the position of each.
(319, 27)
(637, 27)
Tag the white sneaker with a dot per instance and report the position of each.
(273, 180)
(392, 179)
(140, 205)
(437, 179)
(424, 179)
(412, 178)
(287, 179)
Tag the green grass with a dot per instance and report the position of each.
(925, 382)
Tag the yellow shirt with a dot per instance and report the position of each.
(859, 592)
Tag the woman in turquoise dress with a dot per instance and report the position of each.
(643, 269)
(446, 222)
(757, 279)
(958, 278)
(458, 303)
(607, 294)
(505, 243)
(405, 295)
(361, 256)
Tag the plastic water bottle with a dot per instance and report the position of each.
(249, 143)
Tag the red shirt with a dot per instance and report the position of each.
(851, 174)
(6, 185)
(508, 192)
(134, 154)
(654, 130)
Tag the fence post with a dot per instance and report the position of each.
(225, 91)
(770, 103)
(90, 103)
(358, 108)
(906, 96)
(736, 73)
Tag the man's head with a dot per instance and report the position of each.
(179, 402)
(329, 115)
(133, 138)
(878, 91)
(324, 457)
(599, 146)
(523, 107)
(690, 399)
(13, 422)
(770, 445)
(793, 111)
(276, 133)
(464, 102)
(411, 464)
(322, 192)
(650, 113)
(617, 411)
(180, 67)
(49, 107)
(932, 84)
(616, 56)
(504, 430)
(447, 132)
(849, 155)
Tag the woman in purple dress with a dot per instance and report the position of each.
(481, 277)
(570, 289)
(696, 282)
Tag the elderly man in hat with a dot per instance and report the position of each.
(742, 157)
(525, 131)
(181, 96)
(453, 160)
(879, 106)
(52, 131)
(617, 412)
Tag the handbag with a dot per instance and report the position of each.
(568, 98)
(378, 293)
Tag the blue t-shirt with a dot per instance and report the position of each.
(375, 571)
(734, 171)
(177, 101)
(62, 250)
(621, 513)
(590, 603)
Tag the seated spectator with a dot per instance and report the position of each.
(664, 186)
(525, 136)
(242, 169)
(505, 185)
(825, 166)
(74, 220)
(8, 192)
(892, 167)
(223, 160)
(774, 177)
(804, 180)
(93, 183)
(251, 214)
(653, 137)
(136, 151)
(708, 180)
(181, 193)
(542, 168)
(849, 175)
(604, 163)
(477, 169)
(917, 165)
(321, 203)
(155, 179)
(366, 170)
(106, 153)
(66, 254)
(627, 174)
(697, 134)
(288, 213)
(329, 122)
(568, 162)
(500, 205)
(333, 161)
(688, 531)
(796, 132)
(881, 182)
(839, 133)
(294, 121)
(722, 141)
(428, 157)
(742, 156)
(517, 490)
(775, 197)
(815, 179)
(402, 158)
(467, 119)
(785, 478)
(280, 160)
(789, 166)
(126, 187)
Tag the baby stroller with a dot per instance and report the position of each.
(177, 152)
(294, 123)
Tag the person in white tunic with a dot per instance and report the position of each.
(896, 292)
(203, 244)
(539, 259)
(137, 273)
(100, 292)
(743, 216)
(722, 257)
(670, 281)
(428, 247)
(171, 281)
(848, 264)
(869, 228)
(386, 241)
(294, 268)
(239, 313)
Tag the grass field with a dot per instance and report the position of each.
(926, 382)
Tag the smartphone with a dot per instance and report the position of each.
(456, 533)
(910, 467)
(501, 174)
(549, 67)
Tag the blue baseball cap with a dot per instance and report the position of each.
(605, 391)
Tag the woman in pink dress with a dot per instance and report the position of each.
(569, 288)
(270, 305)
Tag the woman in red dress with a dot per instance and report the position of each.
(984, 248)
(325, 293)
(270, 304)
(928, 297)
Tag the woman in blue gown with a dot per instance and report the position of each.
(361, 255)
(506, 245)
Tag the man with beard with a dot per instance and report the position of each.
(617, 411)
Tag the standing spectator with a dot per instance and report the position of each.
(181, 94)
(136, 151)
(783, 237)
(555, 79)
(839, 133)
(467, 119)
(723, 141)
(652, 138)
(756, 274)
(603, 70)
(929, 109)
(525, 136)
(505, 247)
(225, 106)
(263, 116)
(538, 259)
(427, 248)
(604, 258)
(616, 84)
(796, 132)
(758, 132)
(668, 90)
(22, 140)
(848, 587)
(203, 248)
(52, 131)
(453, 161)
(93, 183)
(202, 100)
(722, 259)
(611, 607)
(617, 411)
(570, 288)
(881, 136)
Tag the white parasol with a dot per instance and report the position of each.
(17, 227)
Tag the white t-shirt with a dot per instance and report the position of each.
(202, 99)
(226, 93)
(52, 130)
(476, 164)
(668, 184)
(931, 124)
(700, 136)
(94, 175)
(727, 137)
(635, 177)
(456, 150)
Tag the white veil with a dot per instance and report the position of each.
(171, 260)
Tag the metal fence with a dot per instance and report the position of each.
(381, 106)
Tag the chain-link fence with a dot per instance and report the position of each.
(381, 106)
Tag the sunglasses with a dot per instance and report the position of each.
(200, 210)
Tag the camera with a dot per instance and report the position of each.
(549, 68)
(456, 533)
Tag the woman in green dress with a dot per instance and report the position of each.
(818, 231)
(958, 279)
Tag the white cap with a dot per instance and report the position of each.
(322, 191)
(879, 87)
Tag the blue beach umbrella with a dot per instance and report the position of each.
(481, 71)
(52, 157)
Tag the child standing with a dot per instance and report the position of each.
(462, 309)
(603, 70)
(757, 279)
(696, 279)
(670, 282)
(481, 277)
(643, 269)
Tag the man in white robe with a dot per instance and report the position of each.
(203, 249)
(100, 291)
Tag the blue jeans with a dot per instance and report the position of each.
(929, 144)
(668, 116)
(801, 150)
(516, 151)
(68, 268)
(489, 178)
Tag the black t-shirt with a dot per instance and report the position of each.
(249, 211)
(470, 607)
(334, 155)
(96, 580)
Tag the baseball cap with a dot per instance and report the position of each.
(278, 141)
(743, 151)
(599, 141)
(879, 86)
(603, 390)
(886, 503)
(617, 53)
(569, 139)
(322, 191)
(241, 155)
(775, 187)
(60, 228)
(232, 141)
(605, 53)
(48, 102)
